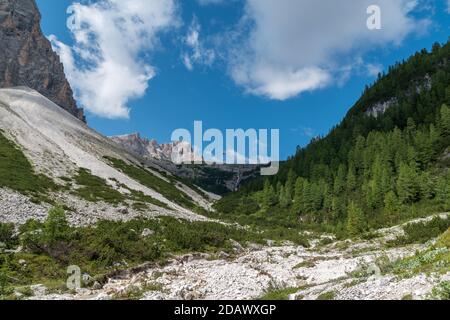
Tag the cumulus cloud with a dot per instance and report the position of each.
(283, 48)
(374, 69)
(105, 65)
(198, 54)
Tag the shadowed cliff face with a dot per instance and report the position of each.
(27, 58)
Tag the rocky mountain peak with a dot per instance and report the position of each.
(151, 149)
(27, 58)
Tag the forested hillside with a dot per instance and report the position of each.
(386, 161)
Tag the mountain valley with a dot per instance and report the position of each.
(361, 213)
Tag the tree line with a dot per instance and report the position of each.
(369, 171)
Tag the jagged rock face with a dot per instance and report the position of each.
(27, 58)
(150, 149)
(132, 143)
(380, 108)
(417, 87)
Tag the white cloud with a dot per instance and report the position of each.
(198, 53)
(105, 65)
(374, 69)
(283, 48)
(276, 83)
(448, 6)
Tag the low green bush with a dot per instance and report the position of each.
(433, 260)
(327, 296)
(442, 291)
(278, 294)
(7, 234)
(423, 231)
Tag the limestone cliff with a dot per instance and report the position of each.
(27, 58)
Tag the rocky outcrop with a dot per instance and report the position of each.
(27, 58)
(417, 87)
(150, 149)
(380, 108)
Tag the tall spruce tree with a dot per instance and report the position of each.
(390, 207)
(269, 196)
(297, 206)
(355, 220)
(407, 184)
(290, 185)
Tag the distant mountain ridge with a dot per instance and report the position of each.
(151, 149)
(219, 179)
(27, 58)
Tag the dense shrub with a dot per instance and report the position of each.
(442, 291)
(3, 283)
(444, 241)
(435, 260)
(6, 233)
(424, 231)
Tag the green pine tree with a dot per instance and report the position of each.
(269, 196)
(355, 220)
(338, 208)
(309, 204)
(407, 184)
(56, 227)
(283, 199)
(351, 179)
(390, 207)
(297, 206)
(290, 185)
(444, 121)
(340, 180)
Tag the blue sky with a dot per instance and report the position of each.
(297, 66)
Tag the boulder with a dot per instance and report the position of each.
(147, 233)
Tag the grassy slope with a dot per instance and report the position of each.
(17, 173)
(94, 189)
(146, 178)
